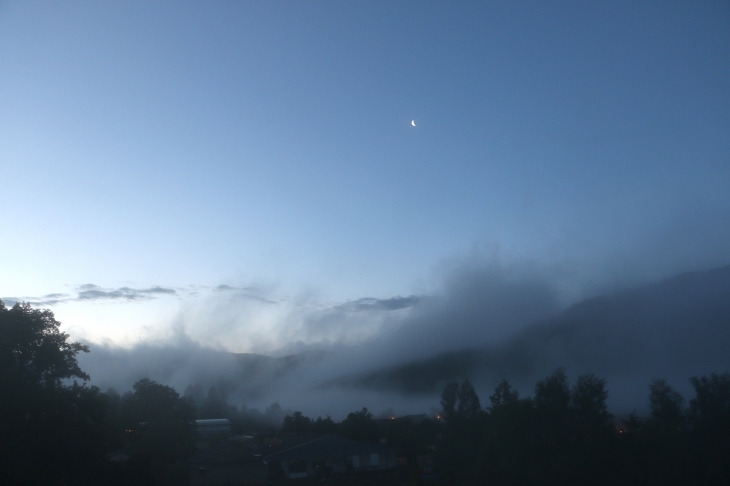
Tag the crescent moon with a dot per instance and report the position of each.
(413, 122)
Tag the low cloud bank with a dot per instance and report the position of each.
(674, 329)
(486, 323)
(475, 304)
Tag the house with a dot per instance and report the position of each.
(212, 428)
(324, 455)
(227, 463)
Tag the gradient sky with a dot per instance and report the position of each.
(268, 146)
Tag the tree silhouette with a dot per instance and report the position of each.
(710, 416)
(588, 399)
(297, 424)
(503, 396)
(468, 407)
(667, 407)
(34, 350)
(449, 400)
(458, 455)
(360, 426)
(552, 395)
(460, 402)
(49, 431)
(324, 425)
(507, 440)
(162, 430)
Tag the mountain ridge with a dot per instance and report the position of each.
(641, 328)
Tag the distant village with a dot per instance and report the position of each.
(299, 451)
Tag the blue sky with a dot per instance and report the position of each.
(268, 146)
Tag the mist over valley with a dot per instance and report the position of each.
(673, 329)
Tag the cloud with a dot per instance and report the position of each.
(360, 337)
(55, 296)
(369, 304)
(94, 292)
(223, 288)
(36, 301)
(480, 318)
(672, 329)
(91, 292)
(244, 293)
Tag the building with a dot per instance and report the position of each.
(324, 455)
(212, 428)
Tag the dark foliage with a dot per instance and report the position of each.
(55, 432)
(565, 435)
(297, 424)
(49, 432)
(710, 415)
(161, 433)
(360, 426)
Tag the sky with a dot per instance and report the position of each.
(245, 176)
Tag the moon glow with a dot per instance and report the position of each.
(413, 122)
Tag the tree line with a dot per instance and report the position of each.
(55, 429)
(565, 435)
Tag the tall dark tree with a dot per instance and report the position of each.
(449, 401)
(161, 428)
(360, 426)
(49, 431)
(297, 424)
(324, 425)
(553, 428)
(591, 455)
(667, 407)
(33, 350)
(506, 449)
(588, 399)
(457, 455)
(504, 396)
(460, 402)
(710, 416)
(552, 395)
(468, 407)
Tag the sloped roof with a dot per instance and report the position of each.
(223, 453)
(212, 422)
(324, 446)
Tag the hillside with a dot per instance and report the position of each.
(676, 328)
